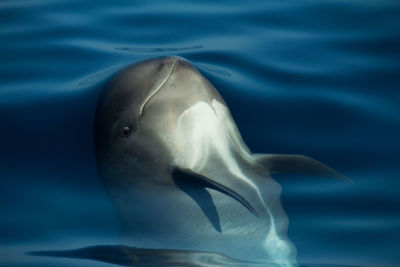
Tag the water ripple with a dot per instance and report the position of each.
(312, 77)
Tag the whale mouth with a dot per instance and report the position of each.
(158, 88)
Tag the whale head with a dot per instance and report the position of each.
(162, 115)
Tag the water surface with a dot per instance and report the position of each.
(319, 78)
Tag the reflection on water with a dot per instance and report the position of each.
(158, 49)
(101, 76)
(214, 69)
(98, 77)
(130, 256)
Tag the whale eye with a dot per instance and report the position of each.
(125, 130)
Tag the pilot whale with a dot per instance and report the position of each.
(178, 172)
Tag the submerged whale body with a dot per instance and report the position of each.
(179, 173)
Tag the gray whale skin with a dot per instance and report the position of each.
(178, 172)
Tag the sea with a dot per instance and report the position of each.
(314, 77)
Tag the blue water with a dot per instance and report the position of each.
(319, 78)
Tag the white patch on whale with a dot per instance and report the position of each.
(203, 129)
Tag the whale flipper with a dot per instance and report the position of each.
(297, 164)
(234, 189)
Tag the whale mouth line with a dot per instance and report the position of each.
(150, 96)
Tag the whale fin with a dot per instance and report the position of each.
(194, 187)
(297, 164)
(195, 179)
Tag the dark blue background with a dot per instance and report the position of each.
(319, 78)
